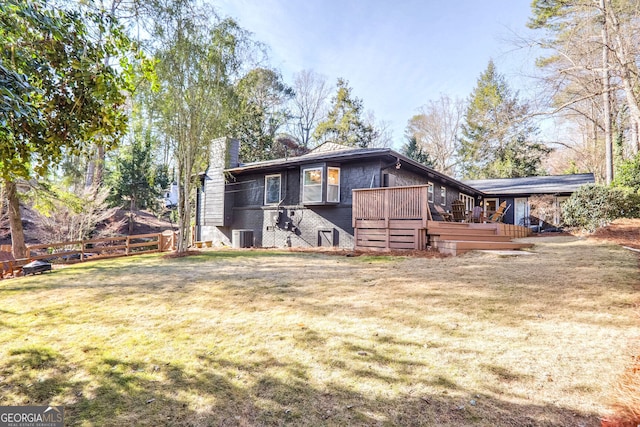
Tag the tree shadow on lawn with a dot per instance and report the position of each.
(221, 391)
(156, 274)
(119, 392)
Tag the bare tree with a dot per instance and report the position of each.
(594, 49)
(623, 39)
(309, 105)
(436, 128)
(576, 149)
(199, 59)
(70, 217)
(384, 132)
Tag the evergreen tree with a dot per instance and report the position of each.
(498, 135)
(345, 124)
(262, 112)
(134, 177)
(415, 152)
(628, 174)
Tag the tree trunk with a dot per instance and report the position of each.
(18, 247)
(184, 214)
(132, 222)
(606, 108)
(95, 168)
(99, 169)
(634, 145)
(185, 166)
(629, 83)
(88, 178)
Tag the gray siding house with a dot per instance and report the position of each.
(305, 201)
(517, 192)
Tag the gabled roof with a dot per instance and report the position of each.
(552, 184)
(314, 156)
(340, 153)
(330, 146)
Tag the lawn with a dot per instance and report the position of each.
(276, 338)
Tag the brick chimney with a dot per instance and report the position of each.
(224, 154)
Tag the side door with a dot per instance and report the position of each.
(521, 211)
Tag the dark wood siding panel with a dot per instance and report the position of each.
(509, 216)
(212, 202)
(291, 187)
(248, 190)
(357, 175)
(404, 178)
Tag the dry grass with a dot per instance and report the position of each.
(275, 338)
(626, 395)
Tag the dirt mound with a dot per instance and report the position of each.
(145, 223)
(624, 232)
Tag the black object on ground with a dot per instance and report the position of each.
(36, 267)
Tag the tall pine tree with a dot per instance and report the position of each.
(345, 124)
(498, 136)
(135, 177)
(261, 114)
(413, 151)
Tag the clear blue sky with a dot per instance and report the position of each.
(396, 54)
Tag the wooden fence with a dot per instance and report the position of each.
(104, 247)
(82, 250)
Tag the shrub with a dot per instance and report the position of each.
(628, 174)
(594, 206)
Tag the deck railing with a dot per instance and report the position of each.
(391, 203)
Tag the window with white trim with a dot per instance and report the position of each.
(490, 206)
(430, 192)
(312, 185)
(333, 185)
(468, 201)
(272, 189)
(443, 196)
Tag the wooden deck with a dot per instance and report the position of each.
(398, 218)
(391, 218)
(457, 238)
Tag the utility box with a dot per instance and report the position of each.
(242, 239)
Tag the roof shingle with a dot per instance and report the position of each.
(551, 184)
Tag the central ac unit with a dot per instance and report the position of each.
(242, 238)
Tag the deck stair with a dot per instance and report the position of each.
(458, 238)
(399, 218)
